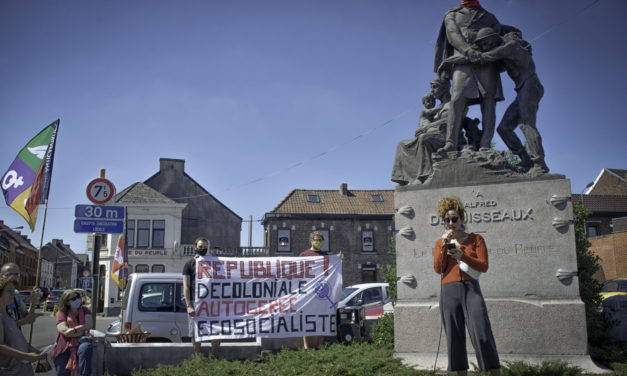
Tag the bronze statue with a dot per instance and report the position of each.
(473, 82)
(515, 54)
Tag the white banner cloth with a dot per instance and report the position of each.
(266, 296)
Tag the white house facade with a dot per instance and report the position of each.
(153, 230)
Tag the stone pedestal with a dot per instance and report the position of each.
(531, 287)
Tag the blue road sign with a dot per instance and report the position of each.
(99, 219)
(99, 212)
(100, 226)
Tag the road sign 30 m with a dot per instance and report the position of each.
(99, 212)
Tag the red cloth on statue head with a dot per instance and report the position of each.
(470, 3)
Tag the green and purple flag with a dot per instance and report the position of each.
(27, 182)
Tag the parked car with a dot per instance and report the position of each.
(25, 295)
(53, 298)
(156, 301)
(372, 296)
(614, 287)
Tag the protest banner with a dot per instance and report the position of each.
(266, 296)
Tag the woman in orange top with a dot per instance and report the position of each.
(460, 258)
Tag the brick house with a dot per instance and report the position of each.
(17, 248)
(607, 225)
(611, 181)
(357, 222)
(67, 265)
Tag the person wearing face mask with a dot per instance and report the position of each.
(201, 246)
(460, 258)
(74, 348)
(316, 239)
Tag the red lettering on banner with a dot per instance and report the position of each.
(308, 267)
(230, 265)
(203, 307)
(216, 269)
(250, 270)
(326, 266)
(269, 271)
(292, 300)
(227, 304)
(272, 307)
(203, 270)
(260, 309)
(260, 271)
(242, 310)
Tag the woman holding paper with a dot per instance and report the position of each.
(460, 258)
(15, 352)
(74, 349)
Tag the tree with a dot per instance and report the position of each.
(589, 288)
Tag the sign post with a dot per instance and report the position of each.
(98, 219)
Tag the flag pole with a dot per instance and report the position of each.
(41, 243)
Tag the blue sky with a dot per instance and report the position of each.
(262, 97)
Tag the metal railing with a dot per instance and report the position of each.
(188, 250)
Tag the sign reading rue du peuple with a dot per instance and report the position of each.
(148, 252)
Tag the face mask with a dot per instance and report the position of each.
(317, 245)
(76, 303)
(201, 251)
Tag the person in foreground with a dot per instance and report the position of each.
(460, 258)
(15, 352)
(74, 348)
(201, 246)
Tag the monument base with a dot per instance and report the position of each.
(425, 361)
(529, 330)
(531, 288)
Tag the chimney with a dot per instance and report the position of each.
(344, 189)
(166, 164)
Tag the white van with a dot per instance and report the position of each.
(156, 301)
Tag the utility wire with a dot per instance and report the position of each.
(555, 26)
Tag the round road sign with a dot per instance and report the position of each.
(100, 191)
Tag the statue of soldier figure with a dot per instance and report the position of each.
(473, 81)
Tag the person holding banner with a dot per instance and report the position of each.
(15, 352)
(316, 239)
(460, 258)
(17, 309)
(201, 245)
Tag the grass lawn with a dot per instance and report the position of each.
(357, 359)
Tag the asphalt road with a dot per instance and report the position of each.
(45, 331)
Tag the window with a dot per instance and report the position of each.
(130, 268)
(130, 233)
(284, 241)
(368, 274)
(313, 198)
(376, 198)
(143, 234)
(158, 268)
(158, 233)
(141, 268)
(593, 230)
(157, 297)
(367, 241)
